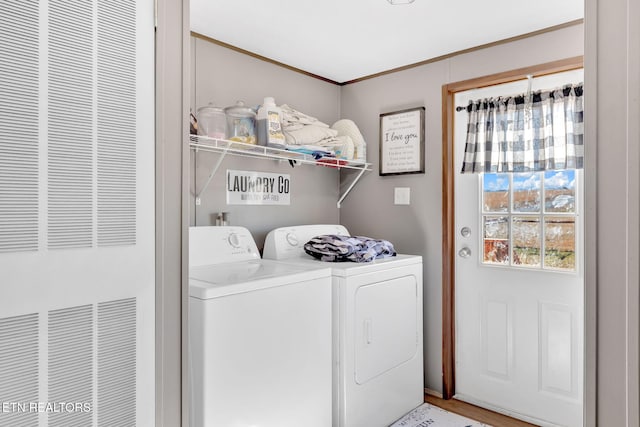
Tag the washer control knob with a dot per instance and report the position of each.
(234, 240)
(292, 239)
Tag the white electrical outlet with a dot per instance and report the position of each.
(402, 196)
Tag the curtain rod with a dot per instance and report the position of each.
(529, 81)
(520, 99)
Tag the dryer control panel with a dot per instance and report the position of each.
(288, 242)
(216, 245)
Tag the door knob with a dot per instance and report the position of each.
(464, 252)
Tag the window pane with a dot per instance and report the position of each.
(560, 191)
(526, 192)
(526, 241)
(559, 243)
(495, 190)
(496, 239)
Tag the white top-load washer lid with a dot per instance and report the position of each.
(216, 280)
(287, 244)
(226, 261)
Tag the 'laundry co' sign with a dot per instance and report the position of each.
(257, 188)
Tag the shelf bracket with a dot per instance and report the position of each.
(357, 178)
(223, 153)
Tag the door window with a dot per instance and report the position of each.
(529, 219)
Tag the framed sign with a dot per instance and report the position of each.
(402, 142)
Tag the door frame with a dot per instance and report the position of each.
(448, 203)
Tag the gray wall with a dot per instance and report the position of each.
(612, 113)
(223, 76)
(417, 228)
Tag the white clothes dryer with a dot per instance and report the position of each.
(259, 335)
(377, 329)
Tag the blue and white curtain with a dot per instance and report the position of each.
(534, 132)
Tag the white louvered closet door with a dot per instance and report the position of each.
(77, 250)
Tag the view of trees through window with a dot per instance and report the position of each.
(529, 219)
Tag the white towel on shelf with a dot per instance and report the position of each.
(292, 126)
(348, 128)
(291, 116)
(347, 148)
(309, 134)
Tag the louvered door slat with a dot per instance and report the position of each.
(19, 105)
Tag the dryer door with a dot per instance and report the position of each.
(386, 326)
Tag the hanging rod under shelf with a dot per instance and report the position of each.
(224, 147)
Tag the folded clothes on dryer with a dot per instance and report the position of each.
(337, 248)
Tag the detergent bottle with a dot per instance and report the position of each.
(269, 120)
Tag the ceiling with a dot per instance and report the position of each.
(350, 39)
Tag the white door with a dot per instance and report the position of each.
(77, 206)
(519, 283)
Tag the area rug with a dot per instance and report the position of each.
(427, 415)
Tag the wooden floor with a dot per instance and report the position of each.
(479, 414)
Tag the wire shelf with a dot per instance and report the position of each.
(199, 142)
(235, 148)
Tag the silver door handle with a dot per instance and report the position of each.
(464, 252)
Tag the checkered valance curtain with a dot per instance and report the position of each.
(534, 132)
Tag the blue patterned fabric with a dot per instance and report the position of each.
(338, 248)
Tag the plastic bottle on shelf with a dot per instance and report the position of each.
(270, 124)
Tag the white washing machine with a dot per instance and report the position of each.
(259, 335)
(377, 329)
